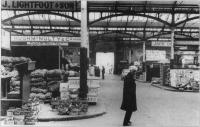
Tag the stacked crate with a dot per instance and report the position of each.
(93, 89)
(64, 92)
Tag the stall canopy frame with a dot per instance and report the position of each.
(127, 21)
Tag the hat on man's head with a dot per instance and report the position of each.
(133, 68)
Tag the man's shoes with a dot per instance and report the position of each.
(128, 124)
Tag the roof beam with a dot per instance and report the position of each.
(126, 14)
(186, 20)
(40, 12)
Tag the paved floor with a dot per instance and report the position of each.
(156, 108)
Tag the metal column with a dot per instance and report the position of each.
(144, 60)
(144, 51)
(84, 52)
(130, 56)
(172, 43)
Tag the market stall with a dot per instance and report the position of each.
(14, 70)
(184, 72)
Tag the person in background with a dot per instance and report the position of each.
(129, 95)
(65, 62)
(103, 72)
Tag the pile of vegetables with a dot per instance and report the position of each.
(39, 87)
(14, 60)
(70, 106)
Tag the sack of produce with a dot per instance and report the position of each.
(48, 95)
(35, 80)
(54, 73)
(38, 90)
(15, 83)
(36, 84)
(54, 87)
(38, 73)
(54, 79)
(52, 83)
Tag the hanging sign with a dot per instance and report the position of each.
(43, 40)
(155, 55)
(38, 5)
(161, 43)
(187, 42)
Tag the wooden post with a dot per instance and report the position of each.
(84, 51)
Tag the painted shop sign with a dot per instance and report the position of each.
(39, 43)
(38, 5)
(155, 55)
(161, 43)
(44, 39)
(187, 43)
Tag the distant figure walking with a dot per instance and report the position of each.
(103, 72)
(129, 96)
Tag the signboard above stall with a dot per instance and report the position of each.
(161, 43)
(187, 43)
(43, 40)
(39, 5)
(155, 55)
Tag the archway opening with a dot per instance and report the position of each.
(106, 60)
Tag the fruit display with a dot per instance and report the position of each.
(14, 60)
(9, 62)
(15, 82)
(25, 115)
(39, 87)
(4, 71)
(70, 106)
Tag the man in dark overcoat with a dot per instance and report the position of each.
(129, 95)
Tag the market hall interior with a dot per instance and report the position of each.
(53, 52)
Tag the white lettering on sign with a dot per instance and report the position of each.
(38, 5)
(44, 39)
(161, 43)
(155, 55)
(47, 43)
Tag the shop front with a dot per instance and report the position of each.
(184, 72)
(33, 79)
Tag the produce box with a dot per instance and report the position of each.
(13, 95)
(64, 86)
(64, 95)
(73, 96)
(19, 122)
(93, 90)
(10, 112)
(74, 82)
(92, 99)
(19, 117)
(10, 122)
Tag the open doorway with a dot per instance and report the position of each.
(106, 60)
